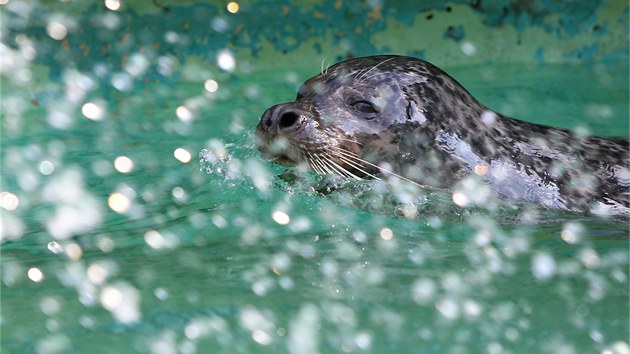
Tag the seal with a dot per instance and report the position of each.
(400, 116)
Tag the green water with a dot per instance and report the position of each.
(200, 264)
(230, 254)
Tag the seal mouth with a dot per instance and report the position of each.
(279, 157)
(282, 159)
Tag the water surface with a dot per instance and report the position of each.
(226, 256)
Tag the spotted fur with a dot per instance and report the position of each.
(397, 115)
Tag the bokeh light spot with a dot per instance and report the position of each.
(119, 202)
(123, 164)
(182, 155)
(113, 5)
(92, 111)
(154, 239)
(281, 217)
(481, 169)
(46, 168)
(469, 48)
(35, 274)
(262, 337)
(111, 298)
(233, 7)
(74, 251)
(9, 201)
(211, 85)
(543, 266)
(97, 274)
(184, 114)
(56, 30)
(386, 234)
(460, 199)
(226, 60)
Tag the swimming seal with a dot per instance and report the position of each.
(394, 115)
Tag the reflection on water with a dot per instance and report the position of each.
(114, 239)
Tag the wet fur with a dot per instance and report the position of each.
(435, 135)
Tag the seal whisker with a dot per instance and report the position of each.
(327, 67)
(311, 162)
(343, 171)
(357, 167)
(316, 165)
(373, 76)
(308, 160)
(334, 169)
(327, 168)
(374, 67)
(355, 163)
(358, 73)
(346, 152)
(322, 167)
(350, 141)
(386, 171)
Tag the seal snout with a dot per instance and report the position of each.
(280, 117)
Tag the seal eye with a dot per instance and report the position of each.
(366, 108)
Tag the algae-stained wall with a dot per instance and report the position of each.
(283, 33)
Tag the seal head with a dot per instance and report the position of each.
(392, 115)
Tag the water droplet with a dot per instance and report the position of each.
(97, 274)
(543, 266)
(49, 306)
(9, 201)
(280, 217)
(113, 5)
(232, 7)
(122, 300)
(154, 239)
(136, 65)
(46, 168)
(211, 85)
(35, 274)
(122, 81)
(219, 24)
(386, 234)
(92, 111)
(448, 308)
(119, 202)
(423, 291)
(572, 232)
(460, 199)
(123, 164)
(303, 331)
(56, 30)
(182, 155)
(488, 117)
(184, 114)
(468, 48)
(226, 61)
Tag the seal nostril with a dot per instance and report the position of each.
(266, 119)
(288, 119)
